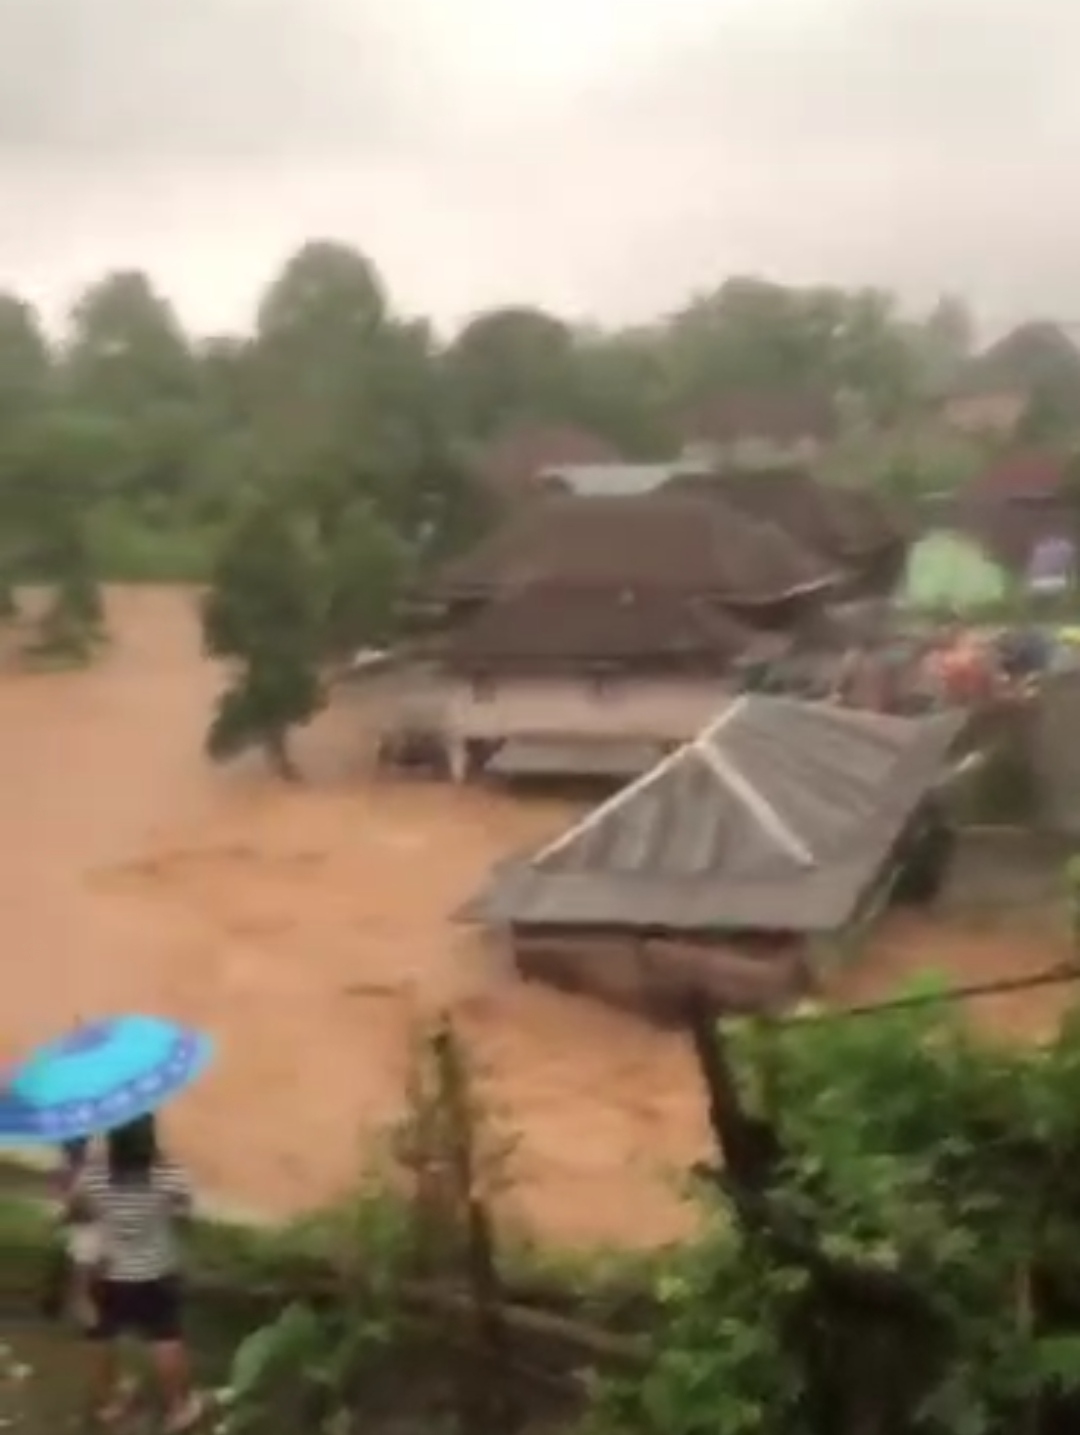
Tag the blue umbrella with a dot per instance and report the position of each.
(99, 1076)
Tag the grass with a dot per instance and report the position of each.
(372, 1223)
(236, 1270)
(127, 548)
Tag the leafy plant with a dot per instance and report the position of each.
(915, 1268)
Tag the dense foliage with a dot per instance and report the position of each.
(150, 434)
(132, 449)
(915, 1270)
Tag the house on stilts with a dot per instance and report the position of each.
(583, 622)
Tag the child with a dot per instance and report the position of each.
(82, 1238)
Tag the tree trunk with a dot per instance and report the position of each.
(278, 755)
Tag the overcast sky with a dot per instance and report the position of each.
(601, 157)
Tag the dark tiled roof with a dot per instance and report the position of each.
(839, 523)
(778, 817)
(676, 542)
(1024, 476)
(781, 416)
(1014, 504)
(559, 626)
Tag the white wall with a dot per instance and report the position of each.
(671, 710)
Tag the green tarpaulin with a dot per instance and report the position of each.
(946, 571)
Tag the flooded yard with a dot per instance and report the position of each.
(307, 928)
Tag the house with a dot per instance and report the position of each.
(852, 529)
(780, 824)
(620, 618)
(752, 429)
(578, 681)
(1036, 363)
(1019, 503)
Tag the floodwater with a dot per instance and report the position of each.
(308, 928)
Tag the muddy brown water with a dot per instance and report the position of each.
(307, 928)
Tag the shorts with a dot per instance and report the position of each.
(150, 1311)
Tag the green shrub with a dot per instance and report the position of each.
(915, 1266)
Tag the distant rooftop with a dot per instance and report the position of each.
(617, 480)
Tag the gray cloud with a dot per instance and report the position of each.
(848, 74)
(924, 144)
(160, 80)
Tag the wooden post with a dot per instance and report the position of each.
(486, 1406)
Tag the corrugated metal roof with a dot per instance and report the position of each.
(618, 480)
(777, 817)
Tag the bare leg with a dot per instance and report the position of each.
(172, 1366)
(104, 1370)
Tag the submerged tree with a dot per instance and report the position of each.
(299, 586)
(264, 616)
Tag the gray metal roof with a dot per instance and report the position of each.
(778, 816)
(618, 480)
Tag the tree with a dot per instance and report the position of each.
(365, 564)
(752, 334)
(126, 349)
(127, 361)
(623, 392)
(299, 586)
(317, 343)
(944, 341)
(511, 365)
(264, 615)
(25, 362)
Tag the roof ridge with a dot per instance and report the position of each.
(756, 803)
(639, 784)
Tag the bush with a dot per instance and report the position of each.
(913, 1270)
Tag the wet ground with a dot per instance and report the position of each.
(309, 927)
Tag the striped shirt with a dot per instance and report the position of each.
(137, 1220)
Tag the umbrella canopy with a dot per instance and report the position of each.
(99, 1076)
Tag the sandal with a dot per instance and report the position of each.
(119, 1406)
(188, 1416)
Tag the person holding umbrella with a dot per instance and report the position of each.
(107, 1078)
(137, 1197)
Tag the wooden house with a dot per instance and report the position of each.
(623, 618)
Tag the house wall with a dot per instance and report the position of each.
(668, 710)
(653, 976)
(994, 413)
(755, 451)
